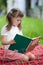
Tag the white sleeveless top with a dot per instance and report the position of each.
(10, 34)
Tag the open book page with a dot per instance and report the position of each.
(39, 37)
(35, 41)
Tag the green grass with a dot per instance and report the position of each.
(31, 27)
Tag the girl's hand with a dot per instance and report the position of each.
(12, 42)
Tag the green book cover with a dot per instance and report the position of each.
(21, 43)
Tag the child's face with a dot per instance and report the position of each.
(16, 21)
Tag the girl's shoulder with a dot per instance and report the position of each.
(4, 27)
(3, 30)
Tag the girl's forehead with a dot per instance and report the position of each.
(17, 18)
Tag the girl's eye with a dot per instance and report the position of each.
(18, 20)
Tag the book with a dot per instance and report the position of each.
(21, 44)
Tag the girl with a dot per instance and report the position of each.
(14, 19)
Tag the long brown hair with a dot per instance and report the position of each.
(13, 13)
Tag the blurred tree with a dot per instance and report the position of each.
(28, 6)
(40, 6)
(3, 3)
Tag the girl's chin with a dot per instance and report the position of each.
(14, 25)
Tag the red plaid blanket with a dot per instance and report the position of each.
(38, 51)
(38, 61)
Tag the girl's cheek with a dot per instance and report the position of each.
(19, 22)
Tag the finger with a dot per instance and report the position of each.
(14, 41)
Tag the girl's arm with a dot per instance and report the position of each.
(5, 42)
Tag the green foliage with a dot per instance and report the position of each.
(3, 3)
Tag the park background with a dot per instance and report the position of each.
(32, 23)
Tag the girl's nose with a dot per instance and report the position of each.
(19, 22)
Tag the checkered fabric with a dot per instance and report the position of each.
(38, 61)
(38, 52)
